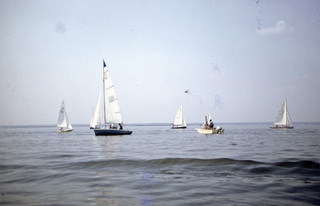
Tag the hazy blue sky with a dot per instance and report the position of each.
(238, 59)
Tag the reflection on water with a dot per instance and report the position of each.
(110, 145)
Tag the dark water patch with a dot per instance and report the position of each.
(300, 164)
(300, 168)
(13, 167)
(261, 170)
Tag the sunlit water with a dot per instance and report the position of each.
(248, 165)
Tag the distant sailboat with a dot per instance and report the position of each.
(179, 121)
(112, 114)
(283, 120)
(63, 120)
(91, 121)
(96, 119)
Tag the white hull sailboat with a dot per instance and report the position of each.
(283, 120)
(112, 113)
(179, 121)
(63, 120)
(207, 130)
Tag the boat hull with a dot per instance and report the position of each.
(66, 130)
(178, 127)
(210, 131)
(284, 127)
(108, 132)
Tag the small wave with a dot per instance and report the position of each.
(300, 164)
(288, 167)
(165, 162)
(194, 165)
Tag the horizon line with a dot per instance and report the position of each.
(154, 123)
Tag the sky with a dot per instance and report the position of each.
(238, 60)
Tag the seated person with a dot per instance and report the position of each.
(211, 125)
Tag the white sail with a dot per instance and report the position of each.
(96, 115)
(283, 117)
(69, 126)
(289, 122)
(179, 119)
(62, 121)
(112, 112)
(92, 117)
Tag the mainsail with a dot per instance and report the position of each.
(283, 117)
(69, 126)
(179, 119)
(62, 120)
(112, 112)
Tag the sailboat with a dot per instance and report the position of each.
(63, 120)
(95, 120)
(179, 121)
(206, 129)
(91, 121)
(112, 114)
(283, 120)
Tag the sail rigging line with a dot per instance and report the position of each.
(110, 87)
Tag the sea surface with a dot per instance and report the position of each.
(249, 164)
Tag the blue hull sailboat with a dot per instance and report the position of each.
(108, 132)
(112, 114)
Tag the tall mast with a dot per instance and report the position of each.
(104, 96)
(285, 111)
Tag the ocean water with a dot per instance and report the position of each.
(249, 164)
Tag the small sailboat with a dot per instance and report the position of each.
(283, 120)
(179, 121)
(91, 121)
(112, 113)
(207, 129)
(63, 120)
(96, 119)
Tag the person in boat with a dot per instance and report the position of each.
(120, 126)
(211, 125)
(205, 125)
(60, 129)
